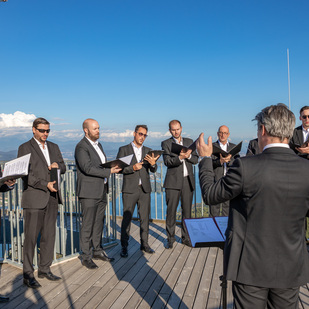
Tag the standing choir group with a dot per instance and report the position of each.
(265, 195)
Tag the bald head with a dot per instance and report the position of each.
(223, 134)
(92, 129)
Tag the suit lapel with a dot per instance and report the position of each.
(91, 148)
(100, 146)
(300, 136)
(134, 159)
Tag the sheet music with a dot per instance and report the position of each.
(17, 166)
(203, 230)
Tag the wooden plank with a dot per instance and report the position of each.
(176, 298)
(304, 297)
(202, 294)
(214, 299)
(194, 281)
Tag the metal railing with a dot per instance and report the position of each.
(69, 215)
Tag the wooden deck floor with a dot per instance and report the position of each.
(179, 278)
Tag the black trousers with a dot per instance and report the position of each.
(40, 221)
(253, 297)
(185, 195)
(93, 211)
(129, 201)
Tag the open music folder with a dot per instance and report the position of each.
(217, 150)
(176, 148)
(16, 168)
(206, 231)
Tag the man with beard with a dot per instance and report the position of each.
(92, 188)
(136, 188)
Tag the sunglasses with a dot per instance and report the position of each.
(305, 116)
(43, 131)
(141, 134)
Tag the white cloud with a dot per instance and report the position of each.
(16, 120)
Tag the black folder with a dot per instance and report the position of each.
(217, 150)
(54, 176)
(155, 152)
(176, 148)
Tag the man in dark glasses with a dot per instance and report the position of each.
(136, 188)
(300, 140)
(40, 201)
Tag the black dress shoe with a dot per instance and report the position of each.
(50, 276)
(4, 299)
(147, 249)
(32, 283)
(186, 242)
(169, 245)
(89, 264)
(124, 252)
(102, 256)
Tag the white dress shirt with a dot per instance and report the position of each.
(185, 170)
(138, 155)
(44, 150)
(224, 147)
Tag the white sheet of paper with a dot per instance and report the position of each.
(203, 230)
(17, 166)
(127, 159)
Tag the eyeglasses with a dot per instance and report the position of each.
(223, 133)
(43, 131)
(141, 134)
(305, 116)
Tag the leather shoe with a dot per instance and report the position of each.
(124, 252)
(50, 276)
(4, 299)
(102, 256)
(89, 264)
(169, 245)
(186, 242)
(147, 249)
(32, 283)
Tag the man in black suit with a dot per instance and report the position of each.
(265, 252)
(92, 188)
(6, 186)
(221, 165)
(179, 181)
(253, 148)
(40, 202)
(301, 134)
(136, 188)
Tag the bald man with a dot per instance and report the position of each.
(92, 188)
(221, 166)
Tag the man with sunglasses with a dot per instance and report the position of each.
(136, 188)
(221, 165)
(179, 181)
(301, 134)
(40, 201)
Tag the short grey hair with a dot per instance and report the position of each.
(278, 121)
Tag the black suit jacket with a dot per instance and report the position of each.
(131, 177)
(298, 139)
(253, 148)
(36, 193)
(269, 199)
(90, 174)
(174, 174)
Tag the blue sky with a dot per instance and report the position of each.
(125, 62)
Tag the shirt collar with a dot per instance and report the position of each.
(39, 143)
(282, 145)
(134, 146)
(304, 130)
(96, 143)
(176, 141)
(227, 143)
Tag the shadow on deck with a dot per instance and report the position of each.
(179, 278)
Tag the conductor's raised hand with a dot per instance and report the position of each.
(203, 149)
